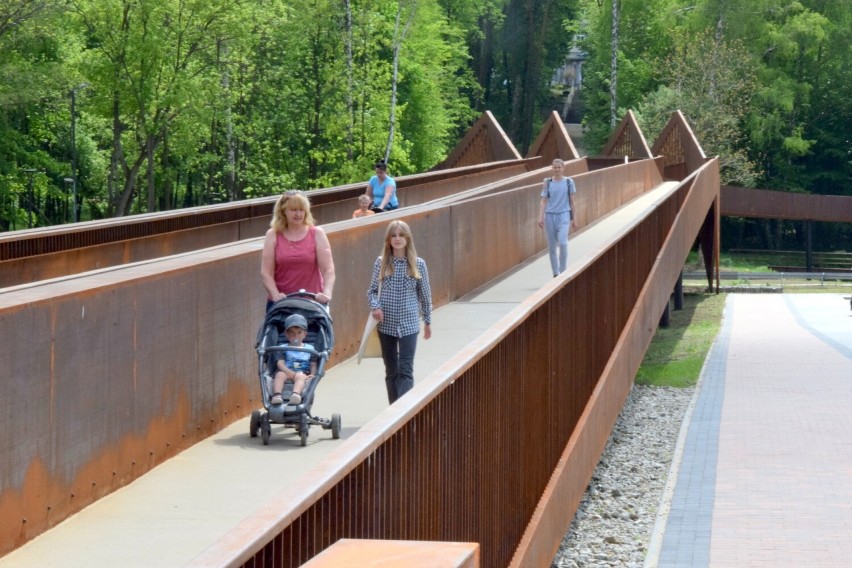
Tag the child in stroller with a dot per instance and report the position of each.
(292, 365)
(292, 408)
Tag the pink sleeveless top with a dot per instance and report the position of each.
(296, 265)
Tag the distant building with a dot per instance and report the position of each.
(571, 73)
(570, 77)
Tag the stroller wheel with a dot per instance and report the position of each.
(303, 430)
(254, 423)
(265, 429)
(335, 426)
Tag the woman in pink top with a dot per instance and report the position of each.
(296, 253)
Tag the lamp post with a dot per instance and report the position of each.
(74, 149)
(68, 181)
(30, 196)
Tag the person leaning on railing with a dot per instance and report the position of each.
(382, 189)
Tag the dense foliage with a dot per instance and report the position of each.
(186, 102)
(765, 85)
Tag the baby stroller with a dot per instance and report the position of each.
(270, 341)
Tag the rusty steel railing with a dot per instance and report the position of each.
(748, 202)
(51, 252)
(151, 323)
(474, 456)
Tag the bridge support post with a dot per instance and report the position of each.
(678, 292)
(665, 319)
(809, 256)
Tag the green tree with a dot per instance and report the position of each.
(151, 63)
(34, 113)
(712, 83)
(646, 37)
(796, 121)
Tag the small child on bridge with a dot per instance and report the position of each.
(363, 210)
(292, 365)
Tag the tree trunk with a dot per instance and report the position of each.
(168, 201)
(766, 232)
(485, 60)
(231, 167)
(123, 199)
(123, 206)
(212, 166)
(315, 126)
(398, 39)
(613, 74)
(152, 186)
(350, 107)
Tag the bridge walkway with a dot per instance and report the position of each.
(182, 507)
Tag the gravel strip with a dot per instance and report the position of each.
(615, 520)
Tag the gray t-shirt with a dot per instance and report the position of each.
(556, 193)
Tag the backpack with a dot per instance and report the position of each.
(547, 187)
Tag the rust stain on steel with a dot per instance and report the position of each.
(44, 500)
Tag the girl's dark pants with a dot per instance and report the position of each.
(398, 355)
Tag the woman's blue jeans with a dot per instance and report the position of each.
(398, 355)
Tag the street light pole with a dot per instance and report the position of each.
(74, 148)
(30, 197)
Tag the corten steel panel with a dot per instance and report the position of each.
(553, 142)
(451, 187)
(485, 141)
(627, 140)
(40, 254)
(745, 202)
(678, 145)
(348, 553)
(171, 345)
(106, 382)
(595, 195)
(74, 261)
(673, 228)
(484, 251)
(566, 342)
(43, 240)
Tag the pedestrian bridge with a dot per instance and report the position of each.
(130, 371)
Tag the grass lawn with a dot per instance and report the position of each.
(677, 353)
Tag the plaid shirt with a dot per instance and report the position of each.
(404, 299)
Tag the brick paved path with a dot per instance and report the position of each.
(765, 478)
